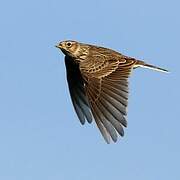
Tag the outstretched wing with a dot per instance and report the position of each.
(107, 91)
(77, 91)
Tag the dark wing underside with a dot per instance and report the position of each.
(77, 91)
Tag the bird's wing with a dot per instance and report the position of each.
(77, 91)
(107, 91)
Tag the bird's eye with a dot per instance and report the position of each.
(68, 44)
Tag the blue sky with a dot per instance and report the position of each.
(40, 135)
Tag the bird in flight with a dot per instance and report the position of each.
(98, 85)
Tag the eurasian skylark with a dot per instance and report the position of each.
(98, 85)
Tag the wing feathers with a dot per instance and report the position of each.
(122, 96)
(77, 91)
(79, 112)
(108, 126)
(83, 105)
(102, 129)
(108, 97)
(117, 84)
(118, 105)
(112, 119)
(101, 89)
(117, 95)
(114, 111)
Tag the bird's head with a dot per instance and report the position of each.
(74, 49)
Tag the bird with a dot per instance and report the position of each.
(98, 84)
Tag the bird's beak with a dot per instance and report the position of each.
(58, 46)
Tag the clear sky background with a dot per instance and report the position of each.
(40, 135)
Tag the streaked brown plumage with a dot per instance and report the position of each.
(98, 85)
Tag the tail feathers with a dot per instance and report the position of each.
(149, 66)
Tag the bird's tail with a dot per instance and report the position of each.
(149, 66)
